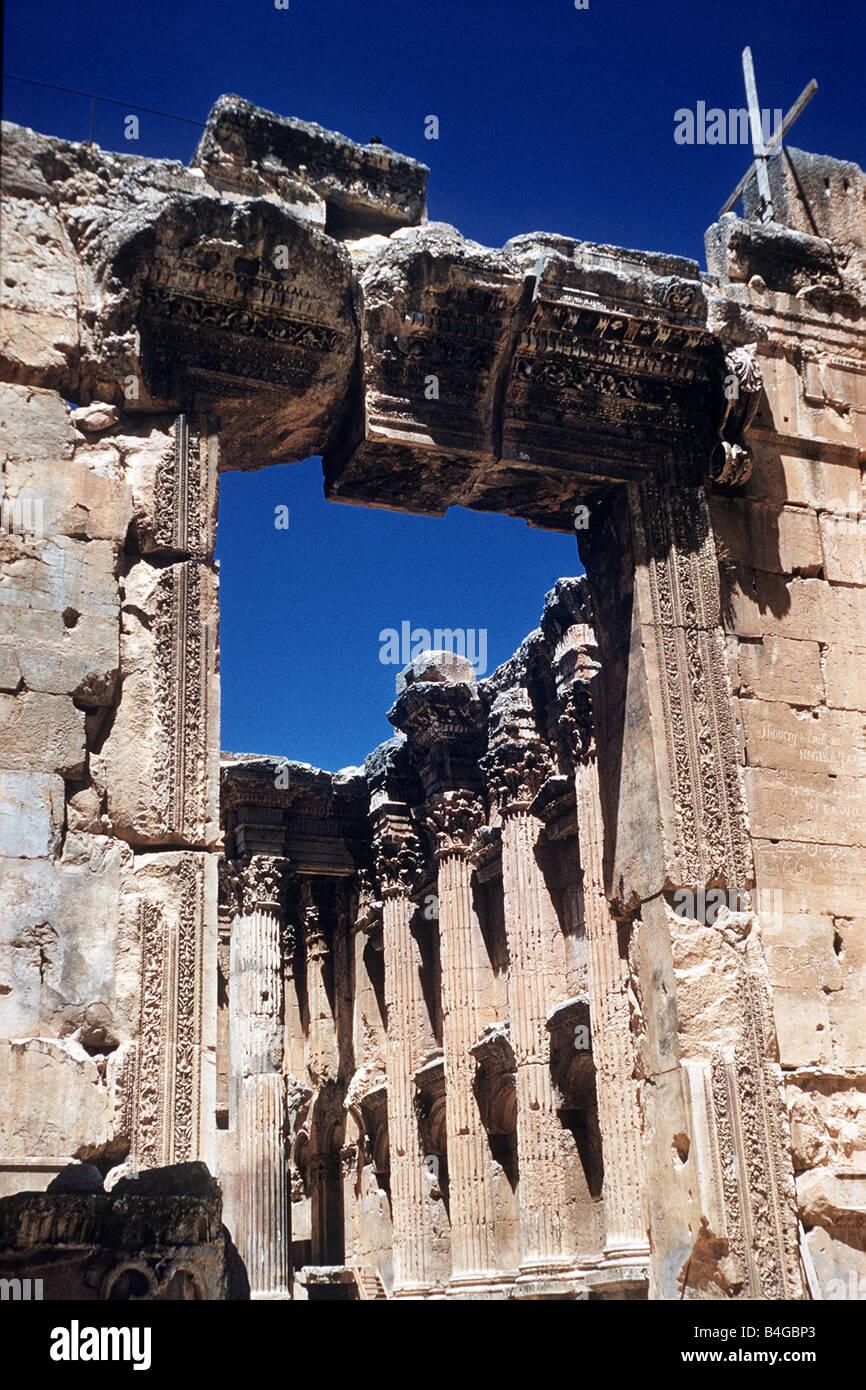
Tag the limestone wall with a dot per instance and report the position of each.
(791, 550)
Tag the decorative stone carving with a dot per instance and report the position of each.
(452, 819)
(731, 459)
(398, 859)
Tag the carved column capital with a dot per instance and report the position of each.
(515, 773)
(452, 818)
(256, 884)
(398, 857)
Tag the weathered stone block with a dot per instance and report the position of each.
(42, 733)
(843, 541)
(848, 1005)
(785, 478)
(777, 668)
(247, 149)
(31, 814)
(61, 1102)
(845, 676)
(57, 654)
(63, 951)
(802, 1026)
(35, 425)
(798, 948)
(760, 604)
(818, 740)
(39, 326)
(806, 806)
(814, 877)
(709, 980)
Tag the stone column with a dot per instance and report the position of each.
(259, 1091)
(453, 817)
(397, 863)
(607, 970)
(516, 767)
(323, 1060)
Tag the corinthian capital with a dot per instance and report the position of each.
(452, 818)
(257, 884)
(515, 772)
(398, 858)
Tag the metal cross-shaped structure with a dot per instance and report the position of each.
(763, 151)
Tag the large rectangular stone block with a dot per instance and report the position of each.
(788, 478)
(802, 1026)
(843, 542)
(813, 877)
(819, 740)
(783, 541)
(42, 733)
(777, 668)
(845, 676)
(806, 806)
(759, 604)
(31, 814)
(64, 955)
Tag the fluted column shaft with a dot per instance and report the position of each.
(542, 1194)
(406, 1016)
(263, 1234)
(612, 1045)
(468, 1159)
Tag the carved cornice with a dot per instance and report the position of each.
(452, 818)
(436, 715)
(556, 805)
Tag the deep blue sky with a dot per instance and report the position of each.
(550, 119)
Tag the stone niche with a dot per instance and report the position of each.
(649, 826)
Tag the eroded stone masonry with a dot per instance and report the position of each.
(562, 993)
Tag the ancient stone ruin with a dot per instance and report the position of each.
(561, 994)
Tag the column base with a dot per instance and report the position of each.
(554, 1279)
(416, 1291)
(621, 1276)
(482, 1285)
(626, 1250)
